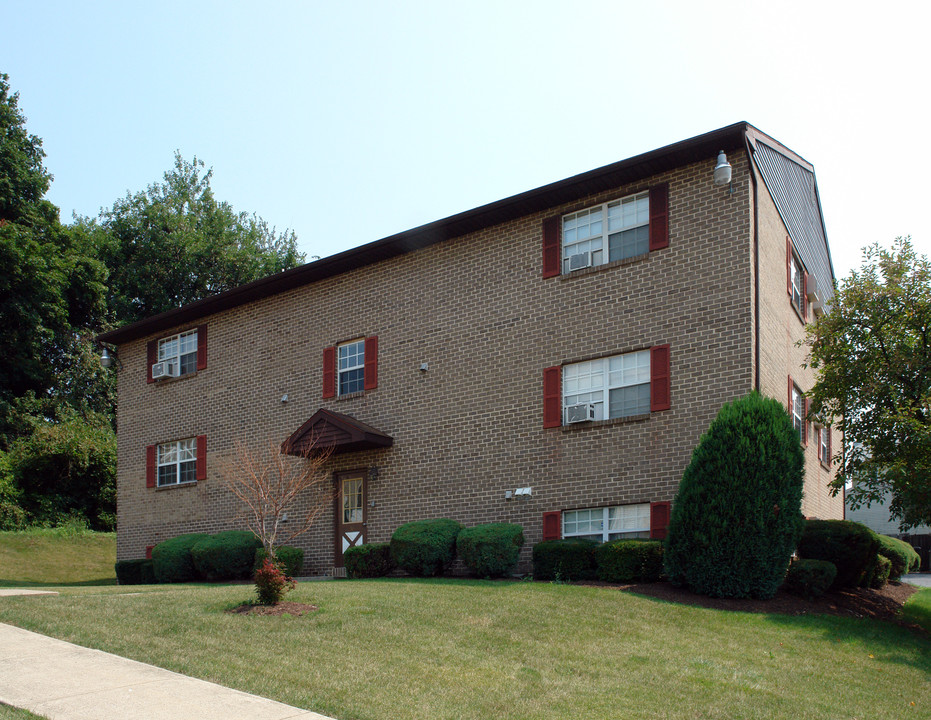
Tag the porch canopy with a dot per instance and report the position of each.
(342, 433)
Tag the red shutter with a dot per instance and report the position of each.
(659, 217)
(805, 296)
(660, 384)
(201, 347)
(830, 451)
(201, 457)
(150, 466)
(148, 551)
(789, 404)
(151, 357)
(371, 363)
(329, 372)
(788, 266)
(805, 422)
(551, 259)
(552, 522)
(552, 396)
(659, 519)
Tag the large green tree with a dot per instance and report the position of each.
(873, 353)
(51, 288)
(174, 243)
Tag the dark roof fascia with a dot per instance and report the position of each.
(362, 435)
(701, 147)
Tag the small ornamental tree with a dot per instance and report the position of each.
(282, 496)
(737, 516)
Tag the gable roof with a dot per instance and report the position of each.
(792, 185)
(342, 433)
(702, 147)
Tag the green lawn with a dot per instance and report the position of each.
(56, 557)
(12, 713)
(472, 649)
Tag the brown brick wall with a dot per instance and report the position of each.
(781, 330)
(477, 310)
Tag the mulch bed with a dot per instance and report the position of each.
(282, 608)
(882, 604)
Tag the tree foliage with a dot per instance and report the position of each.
(737, 516)
(51, 291)
(873, 353)
(174, 243)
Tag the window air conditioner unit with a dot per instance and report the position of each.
(580, 413)
(164, 369)
(580, 260)
(813, 295)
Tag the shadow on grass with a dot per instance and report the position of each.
(4, 583)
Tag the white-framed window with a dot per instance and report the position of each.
(604, 233)
(617, 386)
(824, 445)
(350, 375)
(608, 523)
(177, 462)
(798, 289)
(180, 350)
(798, 410)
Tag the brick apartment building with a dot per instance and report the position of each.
(550, 359)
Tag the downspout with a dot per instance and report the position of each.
(756, 265)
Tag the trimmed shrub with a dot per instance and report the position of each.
(271, 583)
(625, 561)
(134, 572)
(371, 560)
(810, 578)
(737, 516)
(490, 550)
(228, 555)
(291, 558)
(425, 547)
(564, 560)
(900, 554)
(877, 574)
(849, 545)
(172, 561)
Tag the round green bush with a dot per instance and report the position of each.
(900, 554)
(370, 560)
(134, 572)
(228, 555)
(564, 560)
(291, 558)
(172, 561)
(877, 574)
(809, 578)
(425, 547)
(490, 550)
(737, 516)
(626, 561)
(849, 545)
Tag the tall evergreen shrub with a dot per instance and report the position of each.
(737, 516)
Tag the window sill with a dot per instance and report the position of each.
(172, 380)
(349, 396)
(605, 423)
(798, 314)
(604, 266)
(159, 488)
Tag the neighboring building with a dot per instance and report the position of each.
(550, 359)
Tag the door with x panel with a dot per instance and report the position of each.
(351, 502)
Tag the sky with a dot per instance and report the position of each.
(348, 122)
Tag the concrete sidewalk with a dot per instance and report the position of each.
(68, 682)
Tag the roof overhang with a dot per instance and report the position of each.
(702, 147)
(335, 432)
